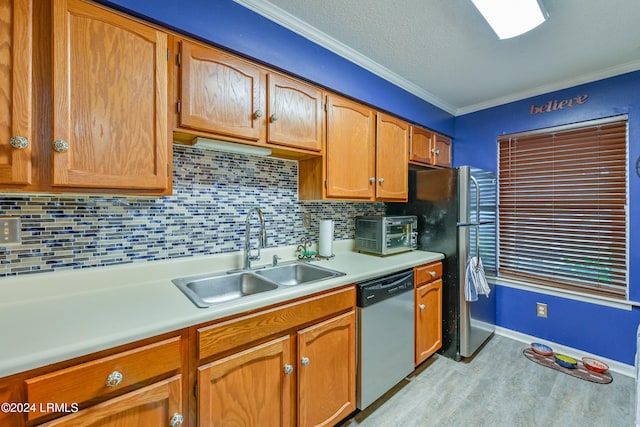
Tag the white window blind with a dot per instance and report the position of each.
(562, 208)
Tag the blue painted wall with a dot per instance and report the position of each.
(604, 331)
(593, 328)
(236, 28)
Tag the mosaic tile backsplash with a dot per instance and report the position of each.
(212, 193)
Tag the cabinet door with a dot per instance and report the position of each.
(295, 114)
(428, 320)
(249, 388)
(350, 150)
(110, 100)
(420, 146)
(15, 91)
(392, 144)
(154, 405)
(442, 151)
(220, 94)
(327, 371)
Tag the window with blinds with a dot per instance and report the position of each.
(562, 207)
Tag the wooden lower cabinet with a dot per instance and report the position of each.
(428, 320)
(327, 371)
(290, 365)
(428, 311)
(304, 374)
(249, 388)
(156, 405)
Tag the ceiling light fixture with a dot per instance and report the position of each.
(510, 18)
(229, 147)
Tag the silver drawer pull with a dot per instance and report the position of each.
(19, 142)
(305, 361)
(176, 420)
(114, 379)
(60, 146)
(432, 273)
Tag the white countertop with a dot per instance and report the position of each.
(50, 317)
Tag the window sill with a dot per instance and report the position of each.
(576, 296)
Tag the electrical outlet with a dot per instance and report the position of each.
(10, 231)
(306, 219)
(541, 309)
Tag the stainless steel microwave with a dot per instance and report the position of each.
(385, 235)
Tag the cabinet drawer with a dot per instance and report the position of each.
(88, 381)
(428, 273)
(234, 333)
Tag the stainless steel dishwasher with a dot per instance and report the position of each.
(385, 334)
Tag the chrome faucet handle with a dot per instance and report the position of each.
(276, 258)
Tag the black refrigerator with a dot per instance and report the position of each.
(456, 211)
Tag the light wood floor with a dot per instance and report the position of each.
(500, 387)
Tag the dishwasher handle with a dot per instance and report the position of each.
(380, 289)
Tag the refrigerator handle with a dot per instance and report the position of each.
(477, 224)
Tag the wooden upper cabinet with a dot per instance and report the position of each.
(295, 115)
(220, 93)
(15, 91)
(349, 149)
(442, 151)
(392, 145)
(429, 148)
(110, 121)
(421, 145)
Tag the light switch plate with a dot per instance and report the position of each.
(10, 231)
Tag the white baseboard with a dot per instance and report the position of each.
(621, 368)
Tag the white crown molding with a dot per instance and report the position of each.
(289, 21)
(541, 90)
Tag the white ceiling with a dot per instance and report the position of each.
(444, 52)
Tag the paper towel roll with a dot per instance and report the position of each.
(325, 243)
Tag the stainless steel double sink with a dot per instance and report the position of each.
(206, 290)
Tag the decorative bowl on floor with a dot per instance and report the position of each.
(594, 365)
(566, 361)
(541, 349)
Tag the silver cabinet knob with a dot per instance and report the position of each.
(305, 361)
(114, 379)
(60, 146)
(437, 152)
(422, 306)
(257, 114)
(381, 180)
(432, 273)
(372, 179)
(273, 118)
(288, 369)
(176, 420)
(19, 142)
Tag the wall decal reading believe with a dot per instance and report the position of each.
(558, 105)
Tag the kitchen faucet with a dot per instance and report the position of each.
(247, 238)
